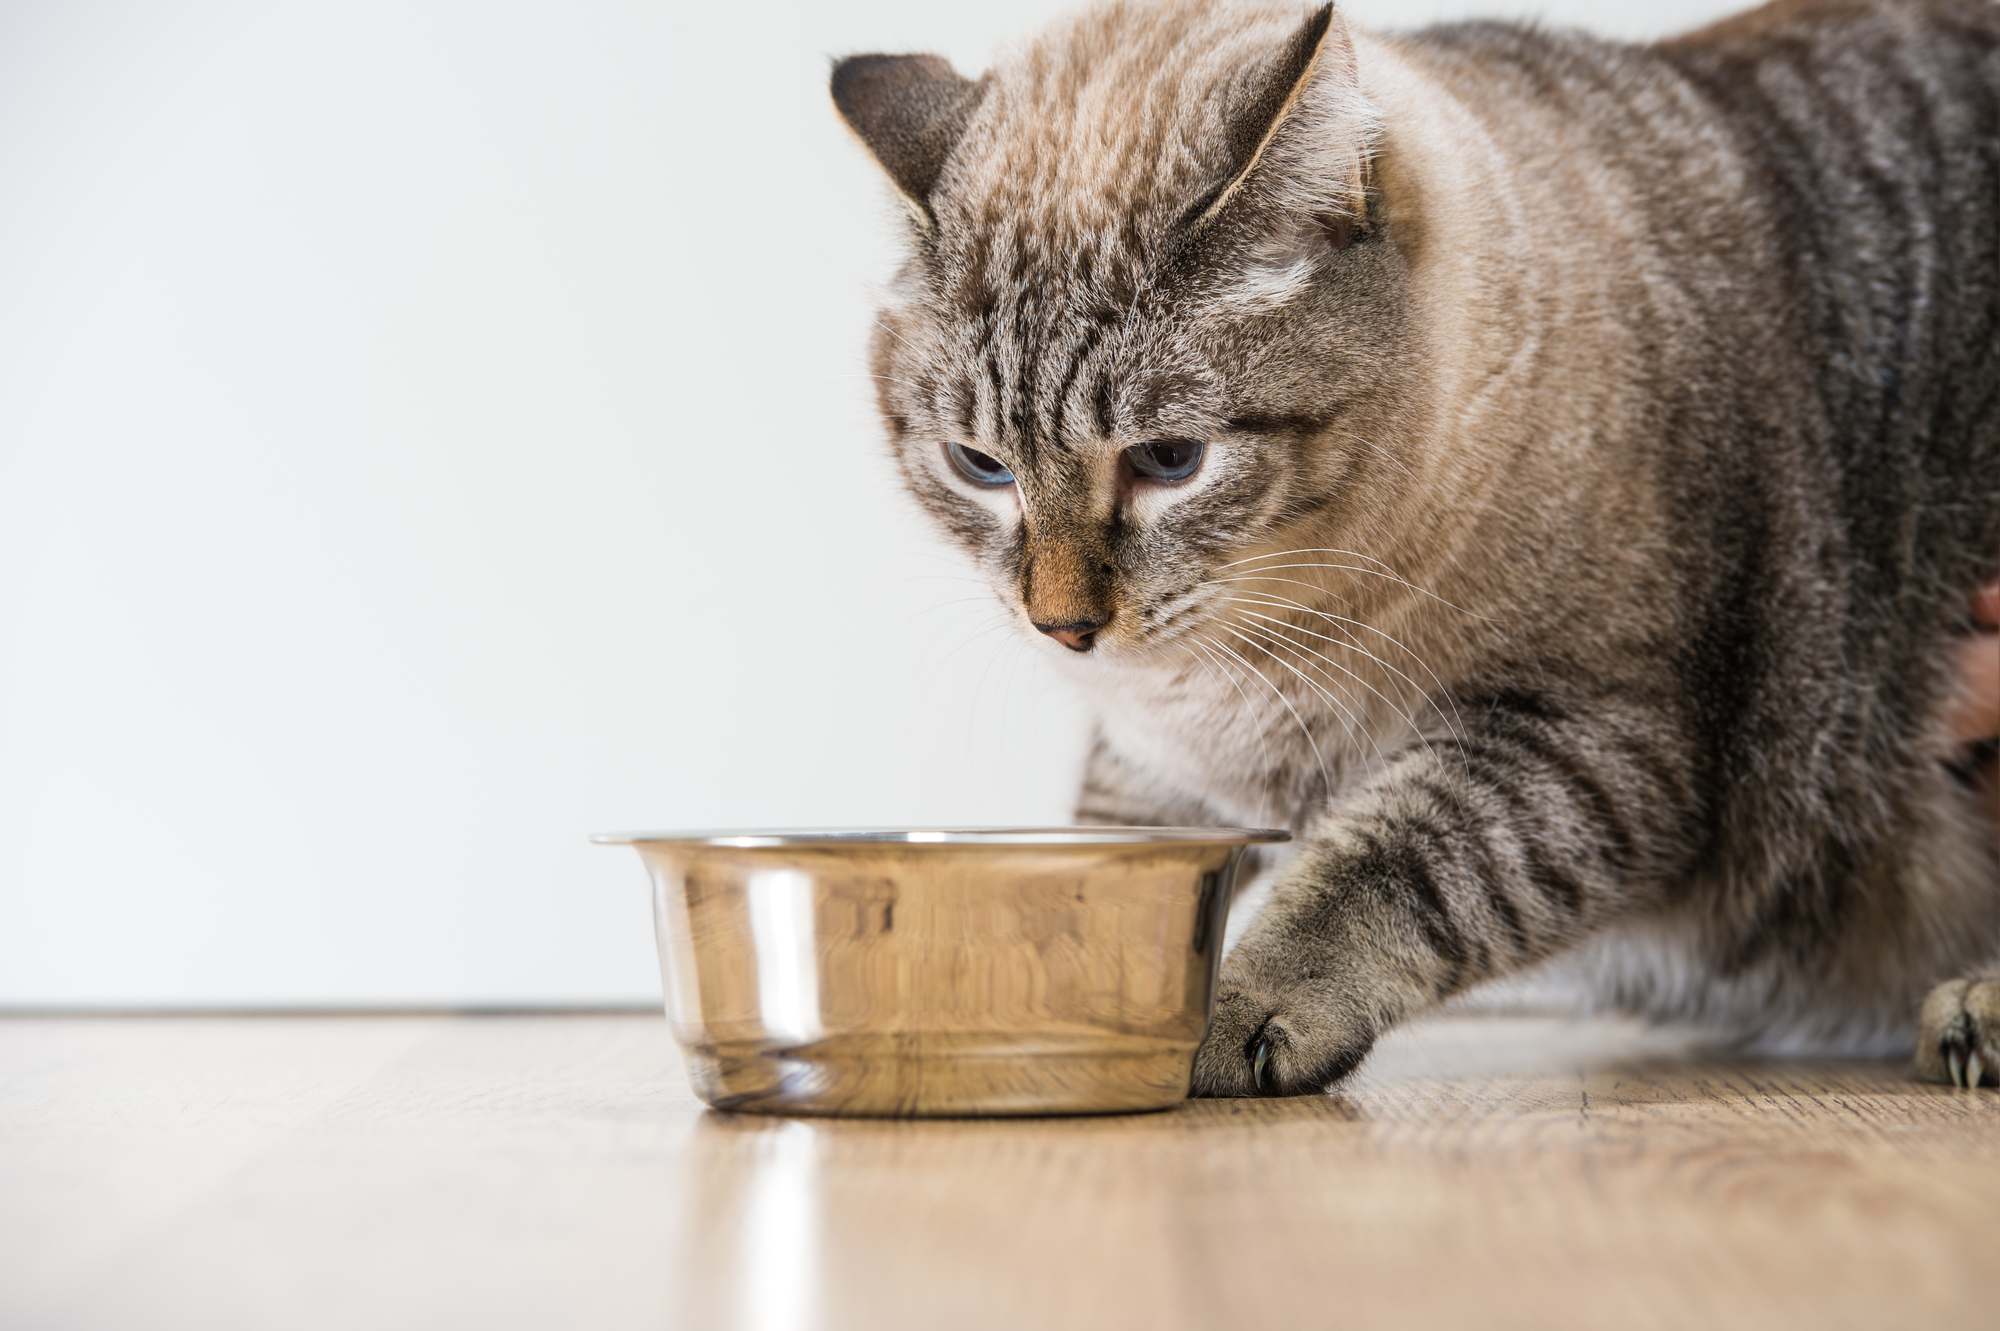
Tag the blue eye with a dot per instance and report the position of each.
(1165, 459)
(979, 467)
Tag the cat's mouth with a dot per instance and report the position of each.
(1126, 628)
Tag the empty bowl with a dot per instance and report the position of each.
(912, 973)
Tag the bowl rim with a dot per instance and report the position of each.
(760, 838)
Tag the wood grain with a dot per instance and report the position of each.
(554, 1171)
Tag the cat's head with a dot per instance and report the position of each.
(1146, 307)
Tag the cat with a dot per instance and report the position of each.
(1546, 474)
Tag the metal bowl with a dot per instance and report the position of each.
(912, 973)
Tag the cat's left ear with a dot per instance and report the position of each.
(1300, 131)
(910, 110)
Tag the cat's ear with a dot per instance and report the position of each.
(910, 110)
(1274, 88)
(1305, 92)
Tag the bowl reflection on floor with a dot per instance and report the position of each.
(911, 973)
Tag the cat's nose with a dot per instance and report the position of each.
(1067, 589)
(1074, 635)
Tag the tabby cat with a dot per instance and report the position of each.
(1547, 474)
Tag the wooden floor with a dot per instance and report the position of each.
(554, 1171)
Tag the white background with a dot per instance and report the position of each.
(431, 433)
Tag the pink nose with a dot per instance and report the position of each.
(1075, 635)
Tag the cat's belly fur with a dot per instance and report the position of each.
(1654, 966)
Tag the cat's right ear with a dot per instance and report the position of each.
(910, 110)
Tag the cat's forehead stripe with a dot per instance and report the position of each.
(1092, 142)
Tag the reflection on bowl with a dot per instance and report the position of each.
(911, 973)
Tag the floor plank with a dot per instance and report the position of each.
(554, 1170)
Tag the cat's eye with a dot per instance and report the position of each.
(1165, 459)
(978, 466)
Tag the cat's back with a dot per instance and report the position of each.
(1874, 128)
(1822, 178)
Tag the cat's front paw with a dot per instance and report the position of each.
(1958, 1033)
(1261, 1043)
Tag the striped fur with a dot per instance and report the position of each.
(1601, 442)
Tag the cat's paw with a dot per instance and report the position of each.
(1958, 1033)
(1266, 1044)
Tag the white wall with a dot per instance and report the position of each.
(431, 433)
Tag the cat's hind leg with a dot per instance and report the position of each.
(1958, 1028)
(1958, 1031)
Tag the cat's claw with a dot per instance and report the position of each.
(1959, 1033)
(1263, 1043)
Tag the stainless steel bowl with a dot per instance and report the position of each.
(910, 973)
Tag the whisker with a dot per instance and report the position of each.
(1354, 727)
(1253, 574)
(1381, 570)
(988, 631)
(1347, 638)
(943, 605)
(1243, 713)
(1456, 722)
(1380, 452)
(936, 577)
(978, 689)
(1304, 729)
(893, 333)
(1312, 550)
(957, 561)
(1284, 627)
(1354, 724)
(1290, 582)
(1014, 655)
(1247, 712)
(913, 386)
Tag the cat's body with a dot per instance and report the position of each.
(1594, 449)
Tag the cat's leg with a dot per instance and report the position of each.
(1972, 717)
(1958, 1028)
(1462, 860)
(1958, 1031)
